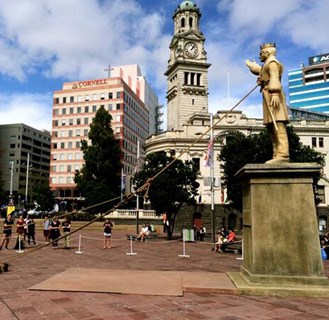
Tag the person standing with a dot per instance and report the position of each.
(30, 227)
(275, 111)
(7, 231)
(20, 226)
(66, 225)
(55, 232)
(46, 228)
(107, 228)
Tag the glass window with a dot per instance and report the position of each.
(321, 144)
(86, 109)
(313, 141)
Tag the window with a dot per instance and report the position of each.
(86, 109)
(62, 145)
(63, 111)
(71, 110)
(85, 121)
(85, 132)
(79, 98)
(71, 122)
(78, 109)
(95, 96)
(110, 95)
(69, 156)
(71, 99)
(77, 144)
(321, 144)
(313, 142)
(110, 107)
(77, 132)
(77, 156)
(70, 133)
(69, 168)
(196, 164)
(62, 156)
(94, 108)
(78, 121)
(182, 23)
(69, 144)
(117, 118)
(56, 101)
(64, 99)
(87, 97)
(118, 94)
(191, 22)
(102, 96)
(118, 106)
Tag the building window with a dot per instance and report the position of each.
(71, 99)
(191, 22)
(77, 144)
(71, 110)
(85, 121)
(313, 142)
(70, 133)
(78, 121)
(69, 144)
(102, 96)
(56, 101)
(321, 144)
(196, 164)
(87, 97)
(94, 108)
(110, 95)
(64, 99)
(95, 96)
(86, 109)
(69, 168)
(118, 95)
(182, 22)
(78, 109)
(118, 105)
(71, 122)
(63, 111)
(62, 145)
(79, 98)
(85, 132)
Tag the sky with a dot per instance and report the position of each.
(45, 43)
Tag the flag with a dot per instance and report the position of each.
(209, 157)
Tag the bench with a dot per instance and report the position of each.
(233, 247)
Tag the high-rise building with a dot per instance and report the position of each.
(309, 86)
(73, 110)
(24, 159)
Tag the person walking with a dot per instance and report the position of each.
(20, 225)
(7, 231)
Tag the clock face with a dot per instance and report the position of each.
(191, 49)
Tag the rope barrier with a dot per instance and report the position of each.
(131, 195)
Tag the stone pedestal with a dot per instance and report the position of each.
(281, 253)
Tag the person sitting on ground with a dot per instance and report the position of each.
(145, 232)
(202, 233)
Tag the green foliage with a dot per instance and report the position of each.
(257, 148)
(99, 178)
(171, 189)
(43, 196)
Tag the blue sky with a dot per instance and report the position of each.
(44, 43)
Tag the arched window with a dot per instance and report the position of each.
(182, 22)
(191, 22)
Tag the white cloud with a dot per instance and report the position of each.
(31, 109)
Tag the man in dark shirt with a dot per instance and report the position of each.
(7, 231)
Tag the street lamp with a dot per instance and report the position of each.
(28, 168)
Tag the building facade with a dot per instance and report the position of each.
(73, 110)
(187, 71)
(309, 86)
(24, 159)
(190, 126)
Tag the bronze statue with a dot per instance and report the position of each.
(275, 112)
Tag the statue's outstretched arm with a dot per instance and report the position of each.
(253, 66)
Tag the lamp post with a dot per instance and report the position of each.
(11, 178)
(28, 168)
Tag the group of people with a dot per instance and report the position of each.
(324, 240)
(224, 237)
(26, 229)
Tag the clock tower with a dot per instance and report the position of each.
(187, 72)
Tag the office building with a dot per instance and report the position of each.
(24, 159)
(73, 110)
(309, 85)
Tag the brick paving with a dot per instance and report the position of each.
(18, 302)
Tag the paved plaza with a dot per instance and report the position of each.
(28, 270)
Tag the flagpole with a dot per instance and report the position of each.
(212, 177)
(137, 195)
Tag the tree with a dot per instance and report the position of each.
(43, 196)
(257, 148)
(171, 189)
(99, 178)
